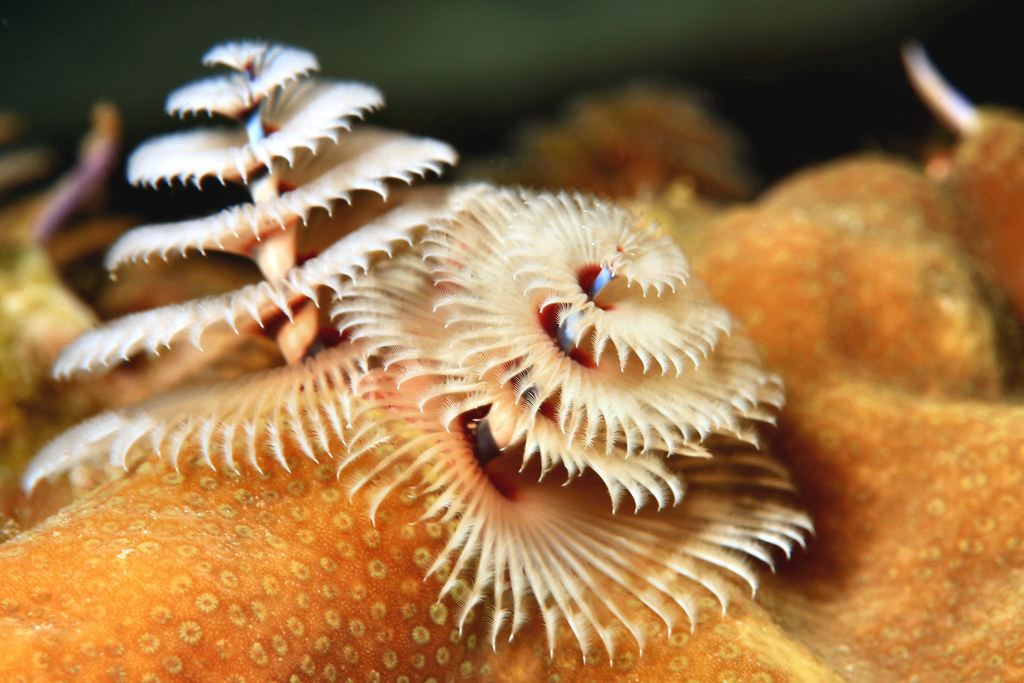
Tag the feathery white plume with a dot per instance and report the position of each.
(522, 543)
(297, 118)
(364, 160)
(305, 406)
(291, 129)
(160, 328)
(532, 360)
(261, 68)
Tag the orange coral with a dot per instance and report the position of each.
(195, 575)
(840, 271)
(200, 576)
(897, 424)
(918, 567)
(870, 433)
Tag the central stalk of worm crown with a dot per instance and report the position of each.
(275, 254)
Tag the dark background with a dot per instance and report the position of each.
(805, 80)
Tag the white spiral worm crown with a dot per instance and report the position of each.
(293, 132)
(485, 339)
(531, 332)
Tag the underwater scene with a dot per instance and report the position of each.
(577, 342)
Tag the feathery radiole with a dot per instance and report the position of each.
(482, 338)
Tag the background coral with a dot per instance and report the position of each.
(900, 422)
(634, 141)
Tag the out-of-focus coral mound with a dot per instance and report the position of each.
(903, 427)
(917, 573)
(635, 141)
(839, 273)
(899, 425)
(38, 317)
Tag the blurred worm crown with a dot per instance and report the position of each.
(462, 345)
